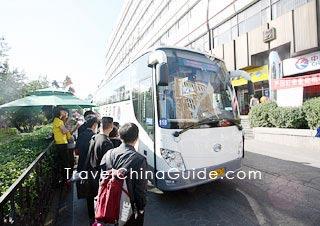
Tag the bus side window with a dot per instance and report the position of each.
(141, 83)
(146, 107)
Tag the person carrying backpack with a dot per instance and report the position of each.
(99, 145)
(126, 157)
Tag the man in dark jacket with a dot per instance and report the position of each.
(125, 156)
(87, 115)
(83, 141)
(82, 145)
(99, 145)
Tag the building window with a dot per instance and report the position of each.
(280, 8)
(250, 18)
(250, 23)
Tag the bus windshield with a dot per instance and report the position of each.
(199, 88)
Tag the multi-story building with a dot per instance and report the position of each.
(242, 32)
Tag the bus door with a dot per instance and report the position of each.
(146, 110)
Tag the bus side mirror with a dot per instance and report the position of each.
(159, 59)
(250, 88)
(162, 74)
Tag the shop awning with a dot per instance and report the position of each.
(257, 74)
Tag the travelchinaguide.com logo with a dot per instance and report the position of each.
(302, 63)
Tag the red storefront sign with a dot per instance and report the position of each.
(301, 81)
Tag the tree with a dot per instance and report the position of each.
(11, 81)
(14, 85)
(11, 84)
(67, 81)
(67, 84)
(25, 119)
(33, 85)
(55, 84)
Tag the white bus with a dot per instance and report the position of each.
(186, 109)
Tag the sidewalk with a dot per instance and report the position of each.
(284, 152)
(67, 209)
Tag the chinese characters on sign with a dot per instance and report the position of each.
(301, 81)
(269, 35)
(301, 64)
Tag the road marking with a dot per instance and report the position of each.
(255, 208)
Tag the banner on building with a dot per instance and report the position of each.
(257, 74)
(301, 81)
(301, 64)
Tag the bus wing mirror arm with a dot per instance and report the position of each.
(245, 75)
(158, 59)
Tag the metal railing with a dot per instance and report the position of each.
(27, 199)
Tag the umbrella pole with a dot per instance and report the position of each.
(52, 114)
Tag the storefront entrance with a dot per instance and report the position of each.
(259, 77)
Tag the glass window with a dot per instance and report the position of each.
(250, 23)
(117, 89)
(224, 37)
(215, 38)
(266, 15)
(146, 107)
(249, 12)
(183, 21)
(226, 32)
(139, 71)
(265, 4)
(198, 89)
(141, 79)
(282, 7)
(234, 32)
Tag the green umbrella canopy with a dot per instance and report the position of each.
(46, 97)
(50, 91)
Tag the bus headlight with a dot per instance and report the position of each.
(173, 158)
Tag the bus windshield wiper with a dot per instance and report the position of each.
(205, 121)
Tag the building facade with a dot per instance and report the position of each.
(242, 32)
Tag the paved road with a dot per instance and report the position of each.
(287, 194)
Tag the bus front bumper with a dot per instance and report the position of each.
(171, 181)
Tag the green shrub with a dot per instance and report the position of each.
(311, 109)
(259, 116)
(17, 154)
(288, 117)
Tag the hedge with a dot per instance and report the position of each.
(270, 115)
(261, 115)
(19, 153)
(311, 109)
(288, 117)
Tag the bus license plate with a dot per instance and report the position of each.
(217, 173)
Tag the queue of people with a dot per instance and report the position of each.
(93, 139)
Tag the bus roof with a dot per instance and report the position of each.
(152, 49)
(180, 48)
